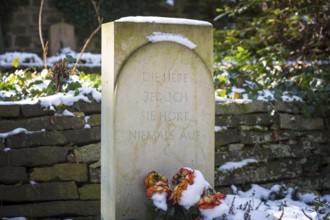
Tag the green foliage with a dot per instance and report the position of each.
(15, 62)
(260, 39)
(23, 84)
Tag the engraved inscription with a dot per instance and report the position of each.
(165, 96)
(165, 77)
(165, 116)
(166, 135)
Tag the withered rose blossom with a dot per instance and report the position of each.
(210, 201)
(153, 178)
(158, 188)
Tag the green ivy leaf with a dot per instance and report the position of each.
(70, 59)
(15, 62)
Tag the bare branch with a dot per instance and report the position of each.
(44, 47)
(306, 214)
(100, 19)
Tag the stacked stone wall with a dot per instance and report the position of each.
(51, 170)
(288, 148)
(49, 165)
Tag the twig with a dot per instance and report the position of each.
(259, 205)
(306, 214)
(231, 209)
(100, 19)
(281, 214)
(44, 47)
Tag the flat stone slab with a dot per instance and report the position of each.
(12, 175)
(61, 172)
(52, 209)
(30, 157)
(39, 192)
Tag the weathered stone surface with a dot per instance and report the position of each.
(298, 122)
(287, 107)
(312, 164)
(308, 184)
(226, 136)
(257, 119)
(95, 175)
(33, 124)
(65, 123)
(61, 172)
(90, 192)
(252, 128)
(88, 153)
(39, 192)
(255, 173)
(95, 165)
(288, 134)
(264, 153)
(52, 209)
(2, 144)
(9, 111)
(31, 157)
(34, 110)
(284, 150)
(61, 35)
(24, 140)
(86, 107)
(227, 120)
(235, 147)
(319, 136)
(241, 108)
(94, 120)
(79, 137)
(83, 136)
(254, 137)
(12, 175)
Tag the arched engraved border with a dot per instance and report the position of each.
(143, 46)
(136, 51)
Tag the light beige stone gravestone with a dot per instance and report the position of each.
(157, 107)
(61, 35)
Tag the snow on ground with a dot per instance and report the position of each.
(32, 59)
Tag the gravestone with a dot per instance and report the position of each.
(157, 107)
(61, 35)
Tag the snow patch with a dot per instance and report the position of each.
(160, 200)
(177, 38)
(18, 131)
(170, 2)
(6, 149)
(163, 20)
(220, 128)
(67, 113)
(236, 165)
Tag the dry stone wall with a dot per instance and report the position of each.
(54, 172)
(53, 169)
(288, 147)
